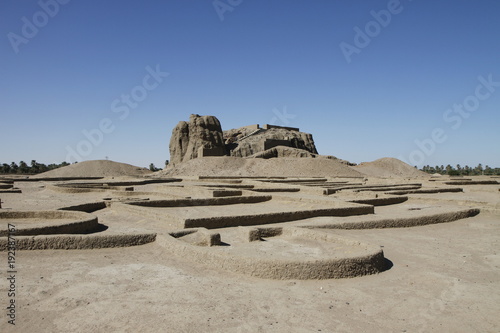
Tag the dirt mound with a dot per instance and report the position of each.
(257, 167)
(97, 168)
(388, 167)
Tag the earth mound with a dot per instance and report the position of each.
(97, 168)
(258, 167)
(389, 167)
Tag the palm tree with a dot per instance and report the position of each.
(479, 169)
(35, 167)
(5, 168)
(23, 167)
(13, 167)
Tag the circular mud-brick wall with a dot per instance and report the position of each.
(47, 222)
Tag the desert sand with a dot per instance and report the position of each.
(389, 168)
(98, 168)
(255, 167)
(440, 270)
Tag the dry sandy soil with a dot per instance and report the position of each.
(98, 168)
(444, 278)
(251, 167)
(389, 168)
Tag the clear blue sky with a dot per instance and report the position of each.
(244, 62)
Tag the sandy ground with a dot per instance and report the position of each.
(445, 278)
(97, 168)
(273, 167)
(389, 168)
